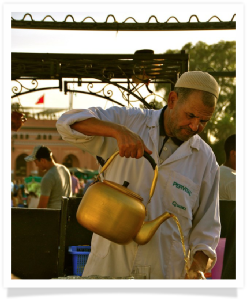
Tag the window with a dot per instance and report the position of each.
(68, 162)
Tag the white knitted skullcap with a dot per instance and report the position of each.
(200, 81)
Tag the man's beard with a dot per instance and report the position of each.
(177, 132)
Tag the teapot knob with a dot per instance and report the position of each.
(126, 184)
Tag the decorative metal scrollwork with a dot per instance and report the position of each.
(106, 93)
(107, 74)
(19, 89)
(128, 94)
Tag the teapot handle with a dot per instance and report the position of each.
(150, 160)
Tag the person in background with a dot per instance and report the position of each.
(227, 188)
(23, 193)
(22, 187)
(12, 193)
(229, 262)
(16, 199)
(88, 183)
(56, 181)
(187, 184)
(82, 183)
(20, 203)
(75, 184)
(81, 190)
(12, 187)
(15, 188)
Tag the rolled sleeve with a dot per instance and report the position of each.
(69, 118)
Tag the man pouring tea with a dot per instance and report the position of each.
(187, 183)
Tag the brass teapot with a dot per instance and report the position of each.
(117, 213)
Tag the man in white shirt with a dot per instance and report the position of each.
(227, 188)
(187, 184)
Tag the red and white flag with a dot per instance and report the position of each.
(41, 100)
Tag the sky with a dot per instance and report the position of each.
(112, 42)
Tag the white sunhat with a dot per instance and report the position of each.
(200, 81)
(32, 157)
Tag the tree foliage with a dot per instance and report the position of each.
(156, 105)
(216, 57)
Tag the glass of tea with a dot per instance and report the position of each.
(141, 272)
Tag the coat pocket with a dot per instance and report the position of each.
(181, 195)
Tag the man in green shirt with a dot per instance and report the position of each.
(56, 181)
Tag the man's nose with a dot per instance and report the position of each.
(194, 125)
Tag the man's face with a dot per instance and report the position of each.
(188, 118)
(40, 164)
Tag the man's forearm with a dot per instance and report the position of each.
(43, 201)
(129, 143)
(96, 127)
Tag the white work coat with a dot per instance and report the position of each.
(187, 186)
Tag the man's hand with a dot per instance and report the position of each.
(130, 144)
(195, 275)
(198, 266)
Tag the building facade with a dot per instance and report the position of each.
(43, 132)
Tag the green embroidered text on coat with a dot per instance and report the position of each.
(177, 185)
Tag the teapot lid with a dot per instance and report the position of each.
(123, 189)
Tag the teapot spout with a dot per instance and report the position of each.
(149, 228)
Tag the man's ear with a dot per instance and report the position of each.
(172, 99)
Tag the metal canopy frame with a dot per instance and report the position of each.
(129, 24)
(125, 72)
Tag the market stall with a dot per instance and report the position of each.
(40, 249)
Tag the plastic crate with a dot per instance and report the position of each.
(79, 256)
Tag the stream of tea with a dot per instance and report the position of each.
(182, 241)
